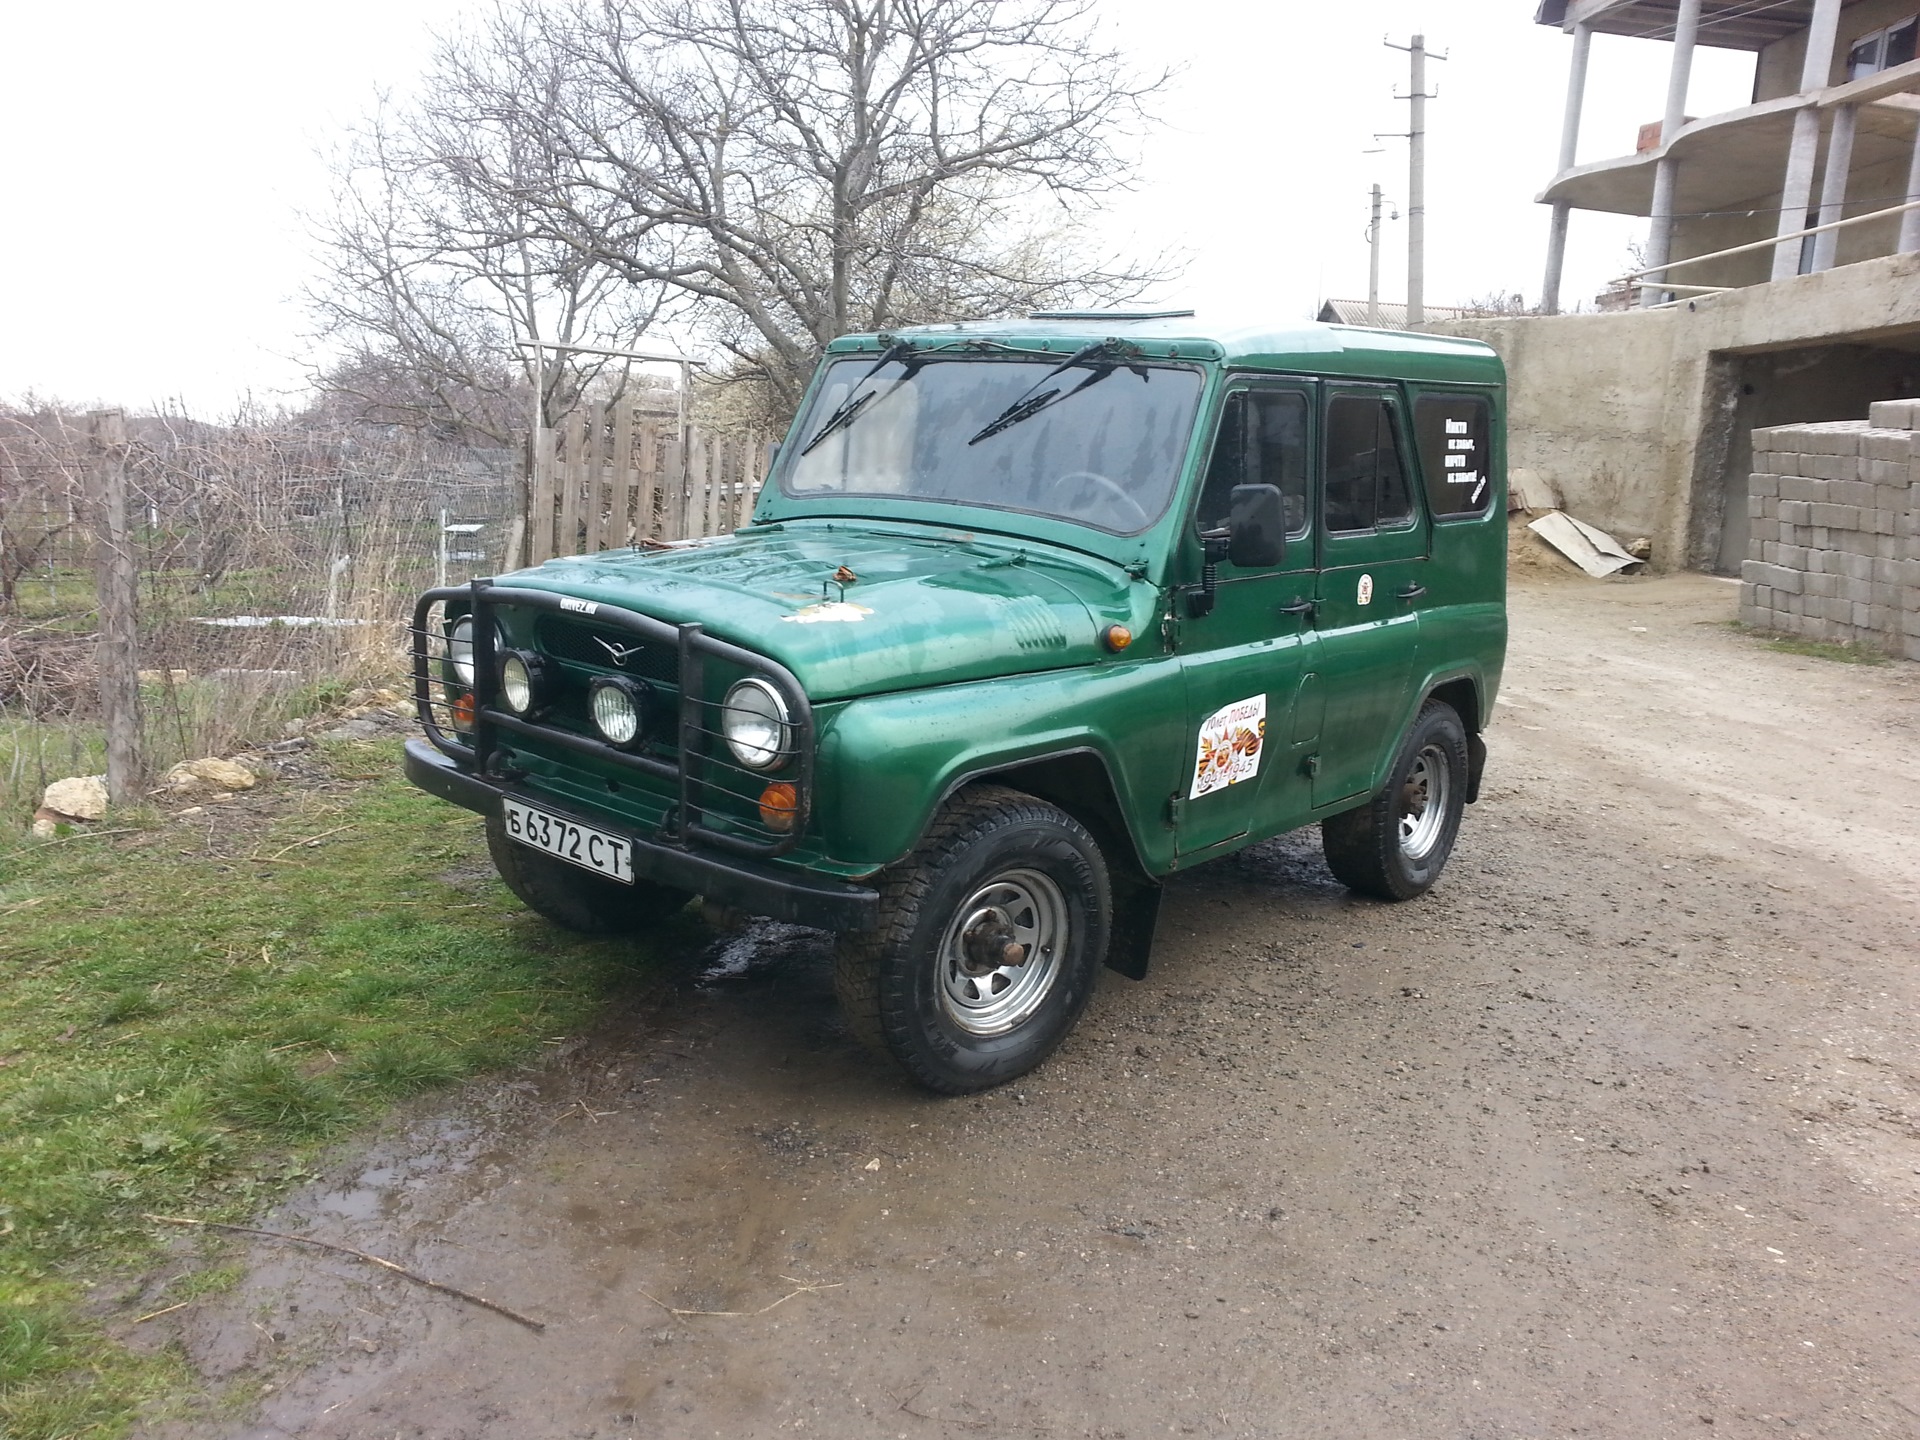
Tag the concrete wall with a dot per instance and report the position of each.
(1835, 520)
(1633, 416)
(1778, 69)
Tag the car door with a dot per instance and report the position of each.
(1375, 543)
(1242, 660)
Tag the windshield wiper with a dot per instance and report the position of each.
(1111, 353)
(848, 409)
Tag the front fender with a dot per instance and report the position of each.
(885, 762)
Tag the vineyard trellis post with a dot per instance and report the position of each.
(116, 579)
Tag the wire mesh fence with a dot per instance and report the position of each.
(275, 561)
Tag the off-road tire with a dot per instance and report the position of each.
(891, 979)
(1365, 848)
(573, 898)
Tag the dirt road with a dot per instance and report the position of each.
(1616, 1133)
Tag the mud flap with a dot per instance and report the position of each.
(1136, 911)
(1476, 765)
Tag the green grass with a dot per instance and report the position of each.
(183, 1026)
(1846, 654)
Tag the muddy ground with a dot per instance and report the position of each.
(1616, 1133)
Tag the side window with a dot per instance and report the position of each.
(1454, 435)
(1262, 440)
(1366, 476)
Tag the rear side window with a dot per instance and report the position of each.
(1366, 477)
(1454, 433)
(1262, 441)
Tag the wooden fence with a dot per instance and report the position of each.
(615, 476)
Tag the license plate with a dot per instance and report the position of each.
(569, 840)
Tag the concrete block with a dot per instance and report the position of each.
(1893, 414)
(1910, 647)
(1778, 577)
(1754, 616)
(1755, 504)
(1759, 532)
(1862, 616)
(1856, 567)
(1885, 596)
(1886, 444)
(1889, 472)
(1910, 622)
(1793, 557)
(1883, 522)
(1767, 482)
(1795, 511)
(1819, 538)
(1855, 492)
(1860, 592)
(1829, 466)
(1815, 583)
(1839, 609)
(1762, 596)
(1837, 517)
(1880, 619)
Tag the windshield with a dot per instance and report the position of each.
(1099, 443)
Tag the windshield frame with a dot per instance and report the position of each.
(814, 413)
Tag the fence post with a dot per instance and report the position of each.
(116, 581)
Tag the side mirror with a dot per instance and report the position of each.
(1257, 530)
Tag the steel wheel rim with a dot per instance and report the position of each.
(1423, 802)
(1021, 907)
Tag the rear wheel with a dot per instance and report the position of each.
(1395, 846)
(573, 898)
(989, 940)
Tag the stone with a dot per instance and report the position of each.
(195, 776)
(80, 797)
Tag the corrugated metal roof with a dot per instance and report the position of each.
(1392, 316)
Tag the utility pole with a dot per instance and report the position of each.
(1373, 262)
(1416, 138)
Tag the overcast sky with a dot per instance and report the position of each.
(158, 158)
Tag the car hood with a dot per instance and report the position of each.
(858, 609)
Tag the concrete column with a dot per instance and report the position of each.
(1569, 147)
(1686, 28)
(1910, 221)
(1833, 189)
(1796, 187)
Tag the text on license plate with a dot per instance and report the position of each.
(584, 846)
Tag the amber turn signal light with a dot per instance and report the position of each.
(1118, 637)
(779, 806)
(464, 711)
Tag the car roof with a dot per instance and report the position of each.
(1307, 346)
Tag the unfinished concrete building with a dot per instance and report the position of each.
(1782, 279)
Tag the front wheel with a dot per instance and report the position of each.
(1395, 846)
(571, 897)
(989, 940)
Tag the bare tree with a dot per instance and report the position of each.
(779, 172)
(436, 274)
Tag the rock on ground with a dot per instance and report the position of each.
(79, 797)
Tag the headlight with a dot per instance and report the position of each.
(460, 648)
(619, 706)
(755, 721)
(522, 680)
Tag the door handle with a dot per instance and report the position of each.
(1411, 592)
(1303, 607)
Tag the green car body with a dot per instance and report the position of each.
(1081, 637)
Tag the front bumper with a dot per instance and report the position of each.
(743, 883)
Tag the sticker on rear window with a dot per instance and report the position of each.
(1230, 741)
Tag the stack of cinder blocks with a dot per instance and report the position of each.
(1835, 538)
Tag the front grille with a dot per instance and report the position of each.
(608, 649)
(713, 801)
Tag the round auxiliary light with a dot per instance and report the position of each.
(460, 648)
(755, 722)
(618, 707)
(780, 806)
(522, 680)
